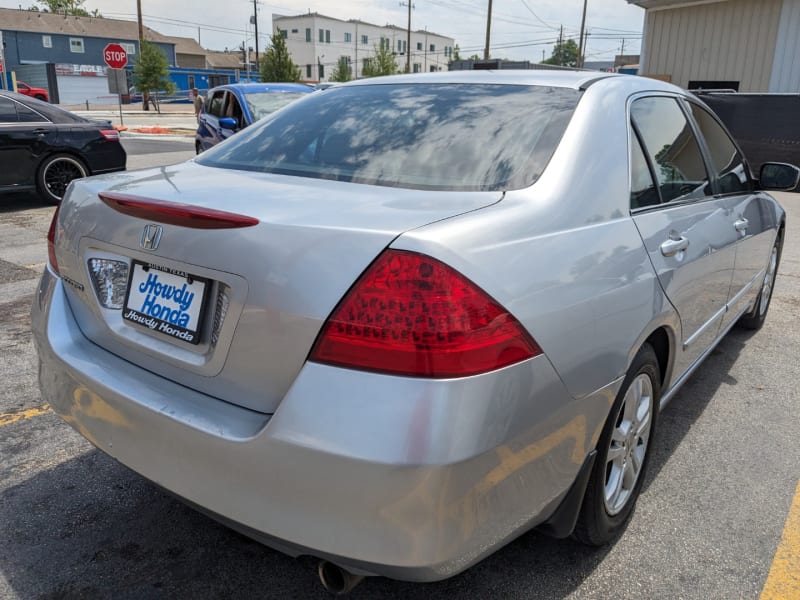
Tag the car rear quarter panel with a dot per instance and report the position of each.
(564, 255)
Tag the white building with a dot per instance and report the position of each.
(316, 43)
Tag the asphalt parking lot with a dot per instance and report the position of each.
(713, 512)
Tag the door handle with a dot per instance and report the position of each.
(741, 225)
(674, 245)
(40, 131)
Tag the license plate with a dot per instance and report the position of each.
(165, 300)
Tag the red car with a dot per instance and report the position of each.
(33, 92)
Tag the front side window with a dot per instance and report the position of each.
(76, 45)
(729, 169)
(418, 136)
(216, 106)
(671, 148)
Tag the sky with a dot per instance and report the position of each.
(521, 29)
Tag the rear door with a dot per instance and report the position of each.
(25, 136)
(687, 231)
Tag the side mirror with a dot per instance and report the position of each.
(778, 176)
(228, 123)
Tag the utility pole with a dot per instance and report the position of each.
(621, 54)
(583, 28)
(408, 37)
(145, 93)
(355, 62)
(488, 31)
(255, 22)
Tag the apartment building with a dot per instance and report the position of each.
(317, 43)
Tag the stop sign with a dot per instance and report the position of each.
(115, 56)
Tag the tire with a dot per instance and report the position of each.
(55, 174)
(625, 443)
(40, 97)
(755, 320)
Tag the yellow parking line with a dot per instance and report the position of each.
(783, 581)
(8, 418)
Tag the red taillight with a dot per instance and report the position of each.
(112, 135)
(175, 213)
(51, 242)
(410, 314)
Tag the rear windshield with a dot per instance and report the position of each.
(420, 136)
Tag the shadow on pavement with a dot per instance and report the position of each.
(15, 201)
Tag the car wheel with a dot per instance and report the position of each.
(755, 320)
(197, 148)
(56, 173)
(40, 97)
(622, 454)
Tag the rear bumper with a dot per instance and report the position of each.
(415, 480)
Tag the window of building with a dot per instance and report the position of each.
(294, 30)
(321, 35)
(308, 34)
(419, 45)
(47, 41)
(386, 43)
(321, 71)
(433, 47)
(327, 36)
(131, 49)
(364, 40)
(348, 37)
(433, 68)
(729, 170)
(76, 45)
(367, 64)
(417, 68)
(673, 151)
(284, 33)
(308, 71)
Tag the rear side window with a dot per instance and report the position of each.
(729, 168)
(672, 149)
(8, 114)
(435, 136)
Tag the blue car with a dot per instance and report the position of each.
(229, 108)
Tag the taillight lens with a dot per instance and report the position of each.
(410, 314)
(51, 241)
(112, 135)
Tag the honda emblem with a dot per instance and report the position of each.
(151, 236)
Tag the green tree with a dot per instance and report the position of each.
(342, 71)
(277, 65)
(150, 73)
(456, 53)
(382, 63)
(565, 54)
(70, 7)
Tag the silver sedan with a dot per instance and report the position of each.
(398, 324)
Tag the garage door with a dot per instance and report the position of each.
(73, 90)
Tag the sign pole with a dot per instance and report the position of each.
(116, 58)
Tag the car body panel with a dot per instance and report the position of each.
(34, 92)
(413, 478)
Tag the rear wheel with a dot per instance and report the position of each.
(40, 97)
(755, 320)
(56, 173)
(622, 454)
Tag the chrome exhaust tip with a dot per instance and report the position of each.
(336, 580)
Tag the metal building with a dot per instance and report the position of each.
(745, 45)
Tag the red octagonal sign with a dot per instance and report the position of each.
(115, 56)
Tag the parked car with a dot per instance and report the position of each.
(399, 323)
(34, 92)
(44, 148)
(230, 108)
